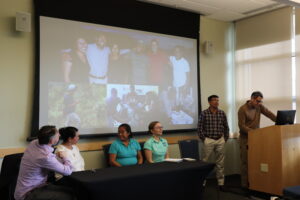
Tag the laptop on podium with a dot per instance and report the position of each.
(285, 117)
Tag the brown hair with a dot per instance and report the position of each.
(46, 133)
(151, 126)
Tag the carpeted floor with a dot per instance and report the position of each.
(233, 190)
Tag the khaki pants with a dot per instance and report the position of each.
(216, 146)
(244, 160)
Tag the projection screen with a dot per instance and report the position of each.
(96, 77)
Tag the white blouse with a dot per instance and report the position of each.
(74, 156)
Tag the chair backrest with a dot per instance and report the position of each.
(143, 152)
(189, 149)
(9, 175)
(106, 154)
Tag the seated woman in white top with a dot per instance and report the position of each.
(70, 137)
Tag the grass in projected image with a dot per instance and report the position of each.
(79, 105)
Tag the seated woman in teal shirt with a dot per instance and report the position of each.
(125, 150)
(156, 148)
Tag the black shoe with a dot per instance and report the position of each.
(223, 188)
(202, 187)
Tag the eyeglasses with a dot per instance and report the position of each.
(258, 101)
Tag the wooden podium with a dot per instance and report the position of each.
(274, 158)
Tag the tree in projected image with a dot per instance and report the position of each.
(81, 108)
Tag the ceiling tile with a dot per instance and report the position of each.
(226, 15)
(227, 10)
(199, 7)
(239, 6)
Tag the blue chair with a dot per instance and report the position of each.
(291, 193)
(189, 149)
(106, 154)
(143, 152)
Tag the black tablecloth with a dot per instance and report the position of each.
(149, 181)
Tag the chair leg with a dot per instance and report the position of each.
(11, 191)
(218, 192)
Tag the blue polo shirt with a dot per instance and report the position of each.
(126, 155)
(158, 148)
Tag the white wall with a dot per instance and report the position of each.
(16, 75)
(216, 77)
(17, 79)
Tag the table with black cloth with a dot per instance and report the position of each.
(166, 180)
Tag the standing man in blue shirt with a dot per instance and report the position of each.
(213, 130)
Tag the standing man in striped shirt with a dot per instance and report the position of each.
(213, 130)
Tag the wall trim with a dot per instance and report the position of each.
(97, 146)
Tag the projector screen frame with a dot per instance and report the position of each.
(42, 10)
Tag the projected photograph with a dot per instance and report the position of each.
(79, 105)
(96, 77)
(133, 104)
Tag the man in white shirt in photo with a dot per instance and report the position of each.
(98, 58)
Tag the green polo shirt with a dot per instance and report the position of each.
(158, 148)
(126, 155)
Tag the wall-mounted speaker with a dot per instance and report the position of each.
(23, 21)
(208, 47)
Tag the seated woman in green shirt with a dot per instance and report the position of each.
(125, 150)
(156, 148)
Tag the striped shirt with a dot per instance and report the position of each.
(213, 125)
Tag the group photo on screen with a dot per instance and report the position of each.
(98, 77)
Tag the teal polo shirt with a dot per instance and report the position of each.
(126, 155)
(158, 148)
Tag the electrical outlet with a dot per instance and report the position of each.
(264, 167)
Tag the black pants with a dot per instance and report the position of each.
(52, 192)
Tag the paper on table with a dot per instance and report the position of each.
(173, 159)
(189, 159)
